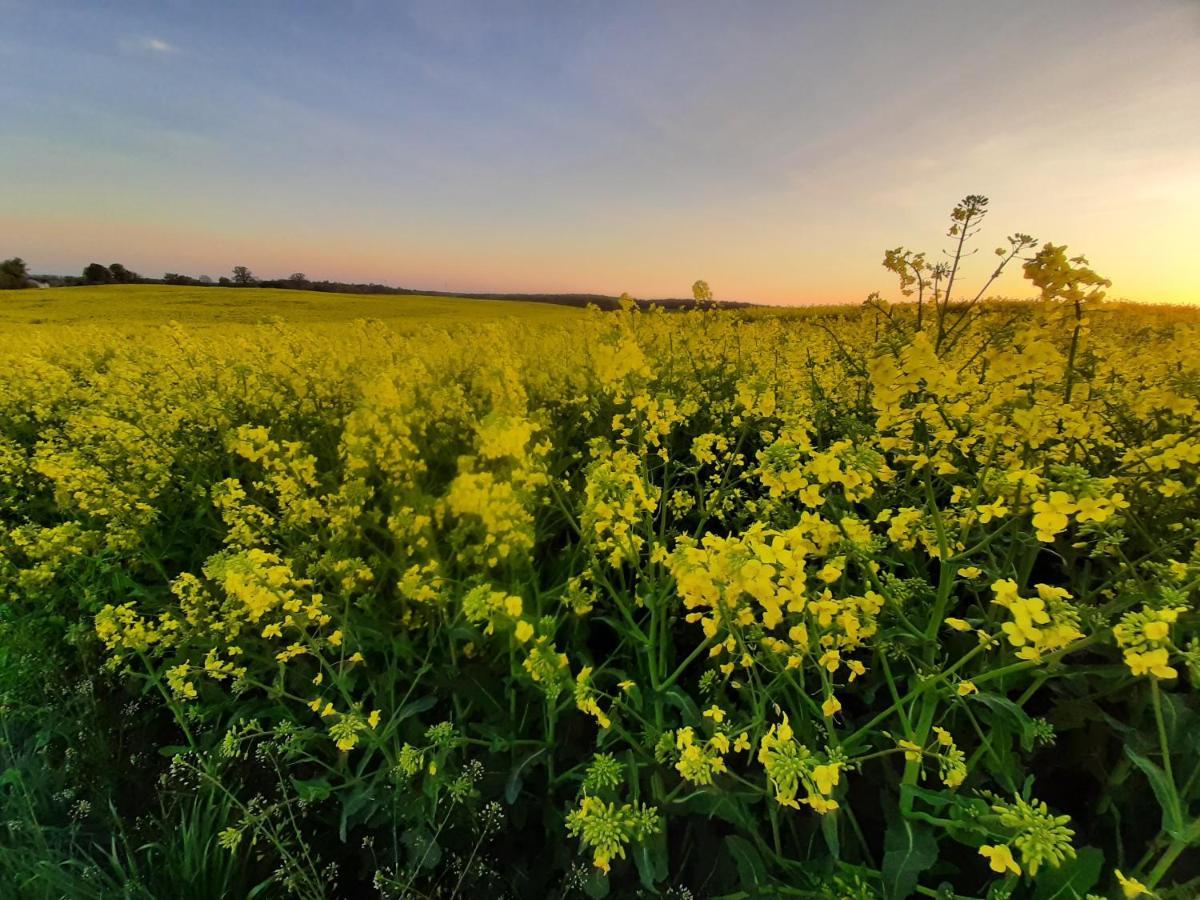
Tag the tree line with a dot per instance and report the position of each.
(14, 275)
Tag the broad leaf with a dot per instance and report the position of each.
(512, 789)
(1163, 791)
(1073, 879)
(650, 856)
(752, 871)
(909, 848)
(312, 790)
(596, 885)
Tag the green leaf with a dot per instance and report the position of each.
(685, 704)
(415, 708)
(1073, 879)
(313, 789)
(1012, 712)
(909, 848)
(829, 830)
(423, 849)
(752, 871)
(1163, 792)
(936, 799)
(651, 859)
(356, 807)
(724, 806)
(512, 790)
(596, 885)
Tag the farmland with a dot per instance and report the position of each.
(315, 596)
(147, 305)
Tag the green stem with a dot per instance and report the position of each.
(1164, 746)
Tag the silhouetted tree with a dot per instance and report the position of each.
(97, 274)
(242, 275)
(224, 282)
(205, 279)
(122, 275)
(14, 274)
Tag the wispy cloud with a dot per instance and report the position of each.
(149, 44)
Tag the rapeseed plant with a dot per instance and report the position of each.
(700, 595)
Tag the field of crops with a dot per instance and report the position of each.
(493, 600)
(135, 306)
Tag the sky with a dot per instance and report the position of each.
(775, 149)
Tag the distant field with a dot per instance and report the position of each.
(150, 304)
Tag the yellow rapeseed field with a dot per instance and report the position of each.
(435, 597)
(135, 306)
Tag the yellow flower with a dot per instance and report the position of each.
(830, 573)
(741, 743)
(821, 805)
(1131, 887)
(966, 688)
(989, 511)
(715, 713)
(1052, 515)
(373, 718)
(1156, 631)
(826, 777)
(1153, 662)
(1093, 509)
(1000, 858)
(830, 660)
(291, 652)
(524, 631)
(335, 639)
(958, 624)
(831, 706)
(912, 750)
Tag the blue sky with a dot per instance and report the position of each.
(773, 148)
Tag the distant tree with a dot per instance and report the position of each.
(243, 276)
(176, 278)
(14, 274)
(97, 274)
(224, 282)
(122, 275)
(205, 279)
(298, 279)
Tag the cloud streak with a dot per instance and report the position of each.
(150, 45)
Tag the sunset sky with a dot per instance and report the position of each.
(774, 149)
